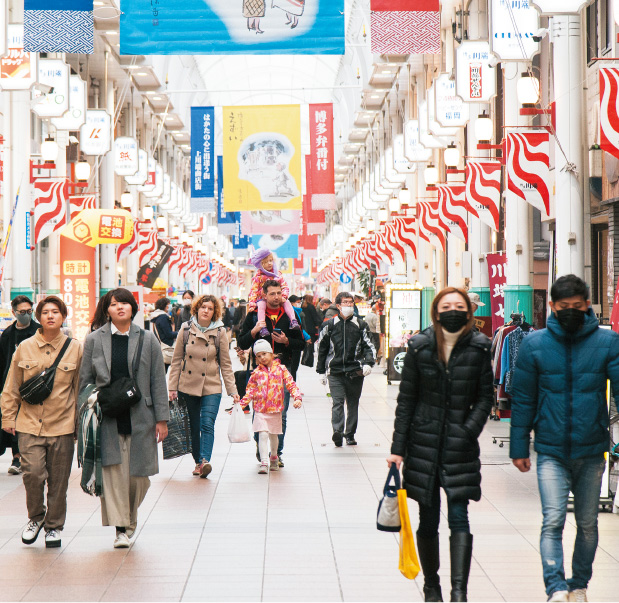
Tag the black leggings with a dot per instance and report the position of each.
(430, 517)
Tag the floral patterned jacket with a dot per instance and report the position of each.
(256, 292)
(265, 388)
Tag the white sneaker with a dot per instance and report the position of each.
(31, 532)
(580, 594)
(121, 541)
(559, 595)
(264, 467)
(52, 539)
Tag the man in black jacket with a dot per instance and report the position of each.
(285, 341)
(345, 356)
(23, 328)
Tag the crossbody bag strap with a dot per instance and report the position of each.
(156, 330)
(64, 348)
(136, 360)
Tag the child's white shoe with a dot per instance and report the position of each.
(264, 467)
(274, 465)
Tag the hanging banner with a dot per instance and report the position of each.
(453, 209)
(202, 159)
(59, 26)
(226, 220)
(528, 167)
(75, 117)
(50, 206)
(401, 163)
(95, 134)
(475, 79)
(79, 203)
(451, 110)
(413, 149)
(244, 27)
(497, 275)
(406, 234)
(18, 69)
(240, 243)
(151, 178)
(322, 160)
(609, 115)
(405, 26)
(94, 227)
(147, 242)
(282, 246)
(77, 278)
(431, 227)
(141, 176)
(512, 28)
(148, 273)
(126, 249)
(262, 157)
(270, 222)
(126, 157)
(157, 190)
(55, 74)
(313, 219)
(483, 190)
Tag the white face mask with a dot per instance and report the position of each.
(186, 302)
(347, 311)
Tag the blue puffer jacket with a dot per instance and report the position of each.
(559, 390)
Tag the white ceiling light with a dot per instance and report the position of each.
(527, 89)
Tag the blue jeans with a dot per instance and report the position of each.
(556, 477)
(430, 516)
(202, 416)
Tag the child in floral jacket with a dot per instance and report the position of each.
(265, 389)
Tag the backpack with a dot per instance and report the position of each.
(187, 326)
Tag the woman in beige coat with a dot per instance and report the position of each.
(200, 355)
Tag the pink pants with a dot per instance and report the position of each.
(262, 310)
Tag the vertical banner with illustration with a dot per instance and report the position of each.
(202, 159)
(262, 157)
(78, 286)
(322, 160)
(226, 220)
(497, 269)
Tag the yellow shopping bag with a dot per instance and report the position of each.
(409, 563)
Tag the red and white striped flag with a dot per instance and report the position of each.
(406, 233)
(176, 257)
(50, 206)
(609, 111)
(391, 237)
(483, 190)
(126, 249)
(79, 203)
(431, 227)
(453, 209)
(381, 248)
(147, 244)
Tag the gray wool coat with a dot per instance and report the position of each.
(153, 407)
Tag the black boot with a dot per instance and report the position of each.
(430, 562)
(461, 550)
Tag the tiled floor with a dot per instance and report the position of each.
(306, 533)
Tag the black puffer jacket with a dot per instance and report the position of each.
(441, 412)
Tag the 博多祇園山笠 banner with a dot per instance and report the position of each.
(225, 27)
(262, 157)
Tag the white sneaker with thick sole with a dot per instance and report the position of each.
(580, 594)
(31, 532)
(559, 595)
(52, 539)
(121, 541)
(264, 467)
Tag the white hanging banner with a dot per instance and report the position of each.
(401, 163)
(475, 79)
(126, 157)
(96, 133)
(425, 137)
(151, 175)
(141, 175)
(433, 126)
(158, 188)
(451, 110)
(53, 73)
(75, 117)
(506, 39)
(413, 149)
(18, 69)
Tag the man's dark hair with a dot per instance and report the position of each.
(343, 295)
(569, 286)
(324, 300)
(162, 303)
(270, 283)
(190, 293)
(50, 299)
(124, 296)
(21, 299)
(293, 299)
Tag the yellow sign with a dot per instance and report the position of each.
(262, 158)
(76, 268)
(94, 227)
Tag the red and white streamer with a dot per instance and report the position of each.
(79, 203)
(483, 190)
(609, 110)
(126, 249)
(431, 227)
(147, 244)
(453, 209)
(50, 206)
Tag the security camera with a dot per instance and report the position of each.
(43, 88)
(493, 61)
(540, 34)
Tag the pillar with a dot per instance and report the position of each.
(425, 263)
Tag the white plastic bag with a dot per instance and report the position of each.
(238, 430)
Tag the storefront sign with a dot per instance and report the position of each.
(401, 163)
(94, 227)
(18, 69)
(75, 117)
(151, 177)
(141, 175)
(451, 110)
(95, 134)
(156, 190)
(403, 320)
(508, 42)
(560, 7)
(203, 153)
(475, 79)
(413, 149)
(53, 73)
(126, 157)
(497, 275)
(4, 17)
(148, 273)
(77, 278)
(322, 159)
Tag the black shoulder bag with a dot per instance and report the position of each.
(37, 389)
(117, 398)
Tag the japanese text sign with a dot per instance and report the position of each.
(95, 134)
(18, 69)
(203, 152)
(94, 227)
(322, 159)
(475, 79)
(497, 267)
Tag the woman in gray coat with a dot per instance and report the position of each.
(128, 442)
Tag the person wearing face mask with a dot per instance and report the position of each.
(559, 392)
(346, 356)
(445, 397)
(23, 328)
(185, 313)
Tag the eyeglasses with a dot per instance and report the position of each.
(24, 312)
(347, 302)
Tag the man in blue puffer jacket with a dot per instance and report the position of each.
(559, 392)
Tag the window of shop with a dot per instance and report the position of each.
(592, 30)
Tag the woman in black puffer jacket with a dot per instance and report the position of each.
(445, 398)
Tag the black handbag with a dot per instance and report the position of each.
(178, 440)
(308, 355)
(37, 389)
(117, 398)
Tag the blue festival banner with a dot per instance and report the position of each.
(59, 26)
(283, 246)
(226, 27)
(226, 220)
(240, 243)
(202, 160)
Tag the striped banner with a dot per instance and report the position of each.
(483, 190)
(79, 203)
(453, 209)
(147, 244)
(50, 206)
(431, 227)
(126, 249)
(609, 114)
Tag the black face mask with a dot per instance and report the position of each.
(453, 320)
(571, 319)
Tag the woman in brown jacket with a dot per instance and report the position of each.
(199, 358)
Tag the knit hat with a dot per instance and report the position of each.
(257, 258)
(262, 345)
